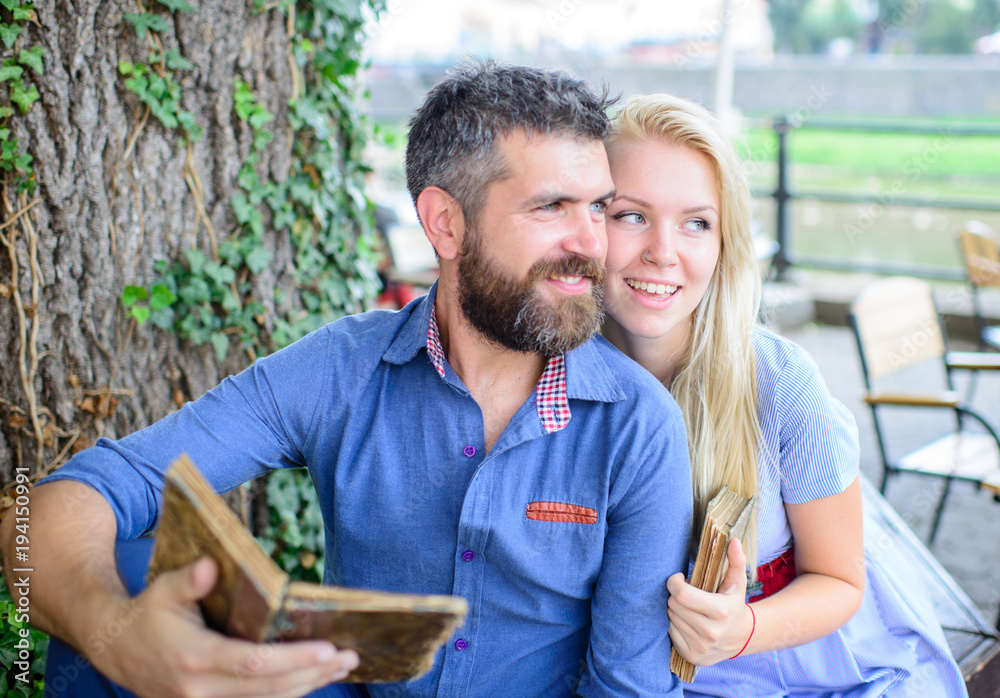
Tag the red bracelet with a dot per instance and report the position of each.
(752, 628)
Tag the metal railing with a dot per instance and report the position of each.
(785, 256)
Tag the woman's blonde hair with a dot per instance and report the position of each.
(715, 382)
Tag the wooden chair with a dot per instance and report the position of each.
(897, 327)
(980, 246)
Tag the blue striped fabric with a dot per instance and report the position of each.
(893, 646)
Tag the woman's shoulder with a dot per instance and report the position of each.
(779, 358)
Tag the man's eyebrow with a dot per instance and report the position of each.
(557, 198)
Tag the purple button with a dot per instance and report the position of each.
(469, 451)
(468, 556)
(461, 645)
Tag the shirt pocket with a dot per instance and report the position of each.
(561, 512)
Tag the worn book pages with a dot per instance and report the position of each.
(726, 517)
(397, 636)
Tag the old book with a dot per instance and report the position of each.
(726, 517)
(396, 635)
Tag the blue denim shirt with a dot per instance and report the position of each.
(412, 503)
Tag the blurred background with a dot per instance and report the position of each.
(890, 109)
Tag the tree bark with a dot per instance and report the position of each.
(111, 199)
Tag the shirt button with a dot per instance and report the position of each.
(461, 645)
(469, 451)
(468, 556)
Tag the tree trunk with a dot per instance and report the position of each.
(113, 195)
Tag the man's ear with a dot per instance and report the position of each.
(443, 221)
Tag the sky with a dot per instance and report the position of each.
(435, 30)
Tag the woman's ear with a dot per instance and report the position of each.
(443, 221)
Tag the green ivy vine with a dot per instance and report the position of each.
(15, 636)
(320, 205)
(15, 60)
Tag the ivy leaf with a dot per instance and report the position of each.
(242, 208)
(132, 295)
(175, 61)
(178, 5)
(196, 260)
(140, 85)
(6, 112)
(22, 97)
(162, 318)
(32, 58)
(259, 117)
(140, 313)
(23, 161)
(258, 259)
(11, 4)
(9, 33)
(4, 134)
(10, 72)
(24, 14)
(145, 21)
(162, 297)
(220, 342)
(186, 120)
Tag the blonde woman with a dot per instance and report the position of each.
(682, 297)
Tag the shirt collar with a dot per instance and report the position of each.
(550, 392)
(581, 374)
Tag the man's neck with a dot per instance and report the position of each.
(499, 379)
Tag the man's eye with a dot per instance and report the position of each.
(548, 207)
(598, 207)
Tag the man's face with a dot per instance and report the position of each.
(531, 271)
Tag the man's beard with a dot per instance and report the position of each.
(515, 314)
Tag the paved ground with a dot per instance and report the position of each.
(968, 541)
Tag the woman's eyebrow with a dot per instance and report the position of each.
(699, 209)
(633, 199)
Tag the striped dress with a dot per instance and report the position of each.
(893, 646)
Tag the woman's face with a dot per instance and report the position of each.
(663, 238)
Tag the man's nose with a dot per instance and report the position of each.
(587, 235)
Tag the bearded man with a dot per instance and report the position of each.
(479, 442)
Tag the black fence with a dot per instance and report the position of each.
(785, 255)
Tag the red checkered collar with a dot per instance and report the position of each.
(550, 400)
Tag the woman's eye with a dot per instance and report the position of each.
(697, 224)
(631, 217)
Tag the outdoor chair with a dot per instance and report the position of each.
(980, 246)
(897, 327)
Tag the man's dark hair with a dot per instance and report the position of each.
(453, 136)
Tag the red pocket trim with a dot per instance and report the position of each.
(557, 511)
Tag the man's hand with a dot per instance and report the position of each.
(708, 628)
(165, 650)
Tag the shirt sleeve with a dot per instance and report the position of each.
(649, 528)
(819, 452)
(248, 424)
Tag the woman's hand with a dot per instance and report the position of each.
(707, 628)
